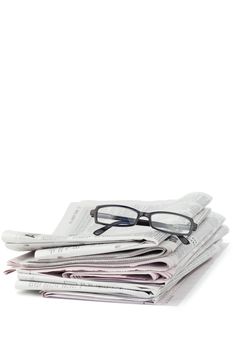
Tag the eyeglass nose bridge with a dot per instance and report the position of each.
(144, 214)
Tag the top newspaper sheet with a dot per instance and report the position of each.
(77, 226)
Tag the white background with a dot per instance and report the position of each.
(114, 100)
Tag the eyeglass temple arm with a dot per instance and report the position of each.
(101, 230)
(105, 228)
(183, 239)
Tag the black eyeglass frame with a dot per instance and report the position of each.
(138, 221)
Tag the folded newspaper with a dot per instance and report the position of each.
(129, 261)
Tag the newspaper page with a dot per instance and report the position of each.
(77, 226)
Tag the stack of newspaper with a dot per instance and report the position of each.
(136, 264)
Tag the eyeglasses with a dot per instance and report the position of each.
(123, 216)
